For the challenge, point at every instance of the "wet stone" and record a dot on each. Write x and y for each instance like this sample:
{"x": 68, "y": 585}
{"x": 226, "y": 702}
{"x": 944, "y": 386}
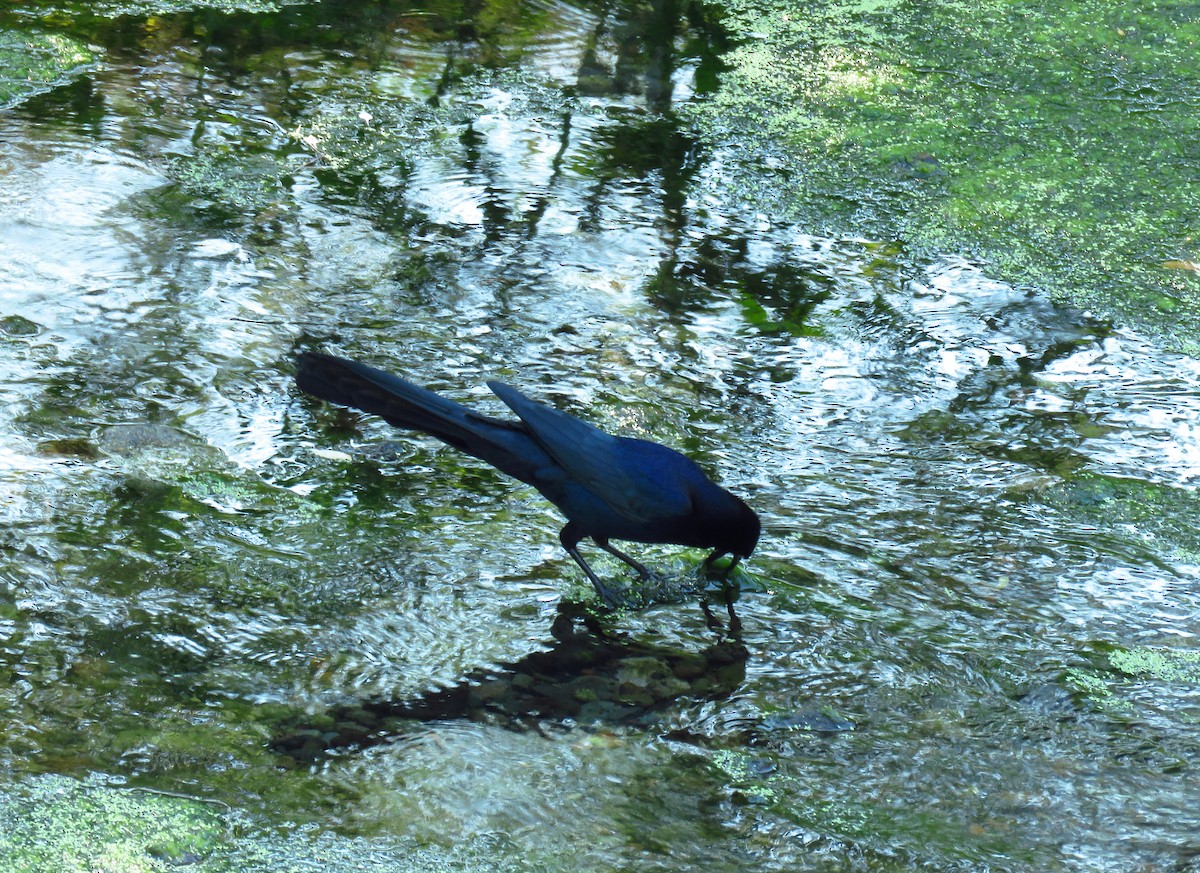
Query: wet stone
{"x": 819, "y": 721}
{"x": 690, "y": 666}
{"x": 124, "y": 439}
{"x": 16, "y": 325}
{"x": 83, "y": 449}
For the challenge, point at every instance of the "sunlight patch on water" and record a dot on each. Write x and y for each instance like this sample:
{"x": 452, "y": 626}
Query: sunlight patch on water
{"x": 1165, "y": 605}
{"x": 561, "y": 43}
{"x": 1147, "y": 403}
{"x": 69, "y": 256}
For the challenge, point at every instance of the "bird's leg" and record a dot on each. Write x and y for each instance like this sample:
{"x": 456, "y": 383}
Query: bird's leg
{"x": 569, "y": 538}
{"x": 735, "y": 623}
{"x": 603, "y": 590}
{"x": 617, "y": 553}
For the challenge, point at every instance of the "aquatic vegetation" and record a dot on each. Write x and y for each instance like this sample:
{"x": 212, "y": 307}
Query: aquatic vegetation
{"x": 54, "y": 822}
{"x": 1050, "y": 142}
{"x": 1166, "y": 665}
{"x": 32, "y": 61}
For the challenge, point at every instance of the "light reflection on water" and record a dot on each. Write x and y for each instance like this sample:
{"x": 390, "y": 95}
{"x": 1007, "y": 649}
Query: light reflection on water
{"x": 969, "y": 493}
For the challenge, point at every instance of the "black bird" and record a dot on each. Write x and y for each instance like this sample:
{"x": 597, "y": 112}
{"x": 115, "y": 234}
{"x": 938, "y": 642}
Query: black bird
{"x": 608, "y": 487}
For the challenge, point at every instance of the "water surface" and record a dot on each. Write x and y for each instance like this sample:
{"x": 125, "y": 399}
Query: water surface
{"x": 975, "y": 647}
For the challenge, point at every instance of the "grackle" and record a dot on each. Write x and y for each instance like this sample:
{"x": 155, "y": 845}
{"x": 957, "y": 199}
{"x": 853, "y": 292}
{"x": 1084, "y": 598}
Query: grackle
{"x": 608, "y": 487}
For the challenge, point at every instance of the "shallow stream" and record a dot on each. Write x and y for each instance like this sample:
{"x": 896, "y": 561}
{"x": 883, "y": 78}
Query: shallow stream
{"x": 972, "y": 639}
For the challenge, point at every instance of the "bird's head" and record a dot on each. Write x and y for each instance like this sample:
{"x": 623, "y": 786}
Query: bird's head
{"x": 743, "y": 531}
{"x": 728, "y": 524}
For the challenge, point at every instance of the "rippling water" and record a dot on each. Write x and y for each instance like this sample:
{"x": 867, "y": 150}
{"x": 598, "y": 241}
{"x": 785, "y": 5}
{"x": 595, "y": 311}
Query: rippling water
{"x": 976, "y": 647}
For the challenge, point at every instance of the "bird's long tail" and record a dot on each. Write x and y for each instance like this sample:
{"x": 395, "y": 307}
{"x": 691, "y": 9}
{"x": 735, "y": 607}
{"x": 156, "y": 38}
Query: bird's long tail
{"x": 395, "y": 400}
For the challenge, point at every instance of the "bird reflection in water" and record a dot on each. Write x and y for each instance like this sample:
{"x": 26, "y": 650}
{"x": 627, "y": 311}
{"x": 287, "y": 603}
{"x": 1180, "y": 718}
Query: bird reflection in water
{"x": 588, "y": 678}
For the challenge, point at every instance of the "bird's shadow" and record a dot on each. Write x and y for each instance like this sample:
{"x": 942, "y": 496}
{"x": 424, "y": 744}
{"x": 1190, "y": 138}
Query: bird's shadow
{"x": 589, "y": 676}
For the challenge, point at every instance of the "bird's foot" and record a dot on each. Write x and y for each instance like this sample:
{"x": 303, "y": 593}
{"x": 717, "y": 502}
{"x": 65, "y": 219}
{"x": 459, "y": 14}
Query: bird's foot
{"x": 632, "y": 596}
{"x": 608, "y": 596}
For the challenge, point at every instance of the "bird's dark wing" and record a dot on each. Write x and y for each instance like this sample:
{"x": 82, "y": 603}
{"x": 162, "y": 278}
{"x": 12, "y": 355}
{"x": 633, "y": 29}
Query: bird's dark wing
{"x": 636, "y": 478}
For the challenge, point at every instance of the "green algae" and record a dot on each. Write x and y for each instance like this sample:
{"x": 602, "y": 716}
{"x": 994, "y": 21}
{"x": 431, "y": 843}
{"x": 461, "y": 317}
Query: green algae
{"x": 1109, "y": 687}
{"x": 1166, "y": 665}
{"x": 1056, "y": 143}
{"x": 227, "y": 184}
{"x": 52, "y": 822}
{"x": 1087, "y": 685}
{"x": 61, "y": 824}
{"x": 31, "y": 62}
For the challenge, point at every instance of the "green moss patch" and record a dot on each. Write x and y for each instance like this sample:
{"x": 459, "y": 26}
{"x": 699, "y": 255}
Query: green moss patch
{"x": 32, "y": 62}
{"x": 1162, "y": 517}
{"x": 56, "y": 823}
{"x": 1166, "y": 665}
{"x": 1054, "y": 141}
